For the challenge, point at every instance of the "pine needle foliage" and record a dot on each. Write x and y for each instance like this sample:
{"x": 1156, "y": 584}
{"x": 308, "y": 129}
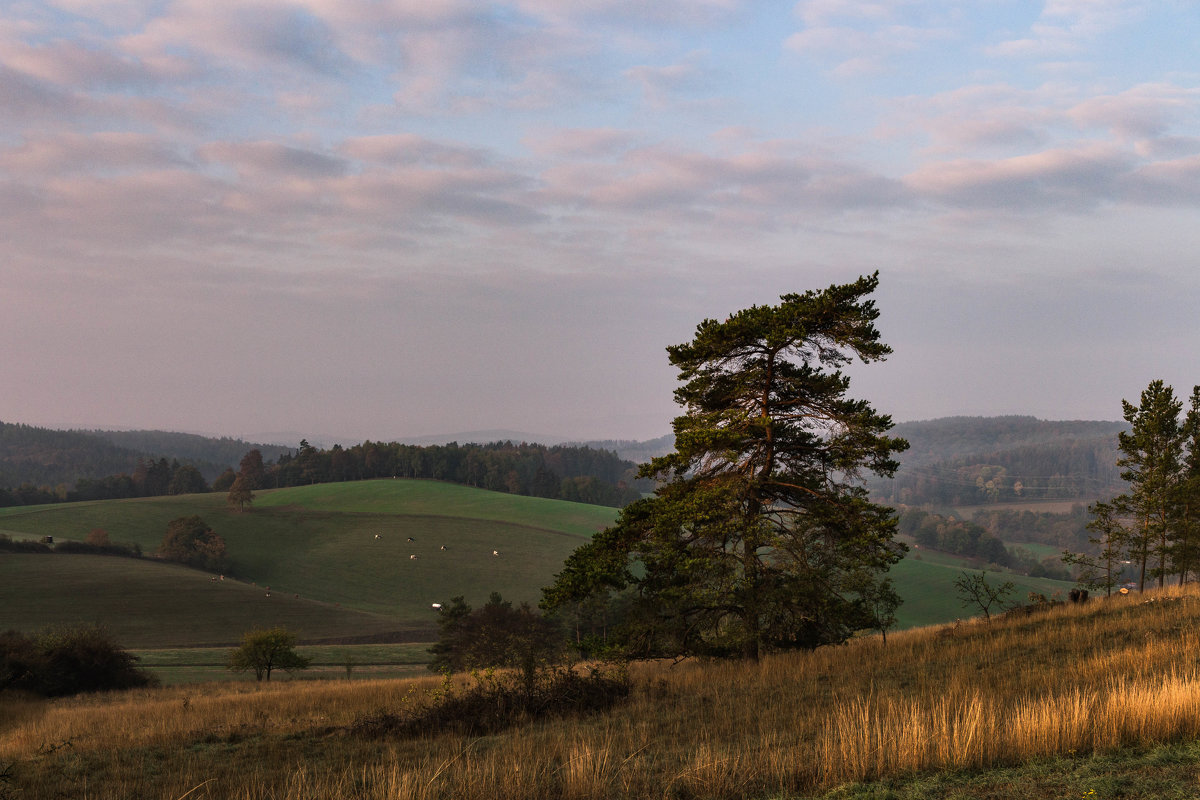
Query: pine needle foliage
{"x": 760, "y": 536}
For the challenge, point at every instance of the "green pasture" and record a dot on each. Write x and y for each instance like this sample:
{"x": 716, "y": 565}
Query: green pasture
{"x": 145, "y": 603}
{"x": 434, "y": 498}
{"x": 338, "y": 563}
{"x": 347, "y": 543}
{"x": 927, "y": 586}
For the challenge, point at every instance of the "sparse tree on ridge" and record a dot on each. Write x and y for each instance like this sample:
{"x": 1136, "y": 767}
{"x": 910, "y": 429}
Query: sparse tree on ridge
{"x": 1103, "y": 569}
{"x": 975, "y": 591}
{"x": 760, "y": 533}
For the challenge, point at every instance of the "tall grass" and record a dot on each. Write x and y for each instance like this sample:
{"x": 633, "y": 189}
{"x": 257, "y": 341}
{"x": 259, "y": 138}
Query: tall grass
{"x": 1079, "y": 679}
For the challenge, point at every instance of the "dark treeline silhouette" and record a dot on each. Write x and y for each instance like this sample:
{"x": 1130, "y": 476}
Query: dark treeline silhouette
{"x": 562, "y": 472}
{"x": 576, "y": 473}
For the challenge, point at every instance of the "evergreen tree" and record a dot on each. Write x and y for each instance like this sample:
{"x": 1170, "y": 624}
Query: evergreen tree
{"x": 1150, "y": 462}
{"x": 1186, "y": 534}
{"x": 760, "y": 535}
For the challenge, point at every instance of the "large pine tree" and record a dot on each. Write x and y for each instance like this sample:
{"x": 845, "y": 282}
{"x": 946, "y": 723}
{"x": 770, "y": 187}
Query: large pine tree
{"x": 760, "y": 535}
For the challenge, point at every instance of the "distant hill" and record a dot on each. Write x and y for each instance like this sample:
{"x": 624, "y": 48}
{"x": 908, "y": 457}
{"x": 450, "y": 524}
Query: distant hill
{"x": 189, "y": 447}
{"x": 639, "y": 452}
{"x": 44, "y": 457}
{"x": 41, "y": 456}
{"x": 973, "y": 460}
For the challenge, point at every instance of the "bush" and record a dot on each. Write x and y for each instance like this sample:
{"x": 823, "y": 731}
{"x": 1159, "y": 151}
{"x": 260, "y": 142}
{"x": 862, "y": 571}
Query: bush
{"x": 67, "y": 660}
{"x": 495, "y": 702}
{"x": 496, "y": 635}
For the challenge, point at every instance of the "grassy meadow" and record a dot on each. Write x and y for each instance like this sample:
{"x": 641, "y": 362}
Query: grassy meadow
{"x": 320, "y": 541}
{"x": 1087, "y": 701}
{"x": 329, "y": 576}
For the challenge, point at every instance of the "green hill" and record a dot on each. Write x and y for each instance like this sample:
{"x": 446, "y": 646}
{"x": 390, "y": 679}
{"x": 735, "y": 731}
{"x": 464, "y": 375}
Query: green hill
{"x": 147, "y": 603}
{"x": 345, "y": 544}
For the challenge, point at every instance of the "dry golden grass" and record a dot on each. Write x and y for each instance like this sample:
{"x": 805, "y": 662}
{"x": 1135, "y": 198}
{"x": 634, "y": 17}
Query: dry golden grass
{"x": 1097, "y": 677}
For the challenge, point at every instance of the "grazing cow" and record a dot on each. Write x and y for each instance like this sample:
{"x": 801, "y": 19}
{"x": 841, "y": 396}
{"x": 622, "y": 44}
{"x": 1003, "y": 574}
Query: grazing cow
{"x": 443, "y": 547}
{"x": 377, "y": 536}
{"x": 495, "y": 552}
{"x": 411, "y": 539}
{"x": 413, "y": 557}
{"x": 437, "y": 606}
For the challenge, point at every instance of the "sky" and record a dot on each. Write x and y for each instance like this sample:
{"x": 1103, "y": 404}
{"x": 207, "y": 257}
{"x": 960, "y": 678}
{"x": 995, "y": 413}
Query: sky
{"x": 380, "y": 219}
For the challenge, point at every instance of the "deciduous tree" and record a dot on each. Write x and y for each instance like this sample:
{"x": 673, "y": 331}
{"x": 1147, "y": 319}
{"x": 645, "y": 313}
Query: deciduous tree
{"x": 266, "y": 650}
{"x": 760, "y": 533}
{"x": 974, "y": 590}
{"x": 240, "y": 494}
{"x": 189, "y": 540}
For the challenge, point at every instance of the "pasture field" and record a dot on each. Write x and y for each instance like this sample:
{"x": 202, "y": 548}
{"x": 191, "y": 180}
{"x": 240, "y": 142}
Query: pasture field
{"x": 347, "y": 543}
{"x": 1036, "y": 506}
{"x": 1098, "y": 700}
{"x": 319, "y": 542}
{"x": 927, "y": 586}
{"x": 149, "y": 604}
{"x": 434, "y": 498}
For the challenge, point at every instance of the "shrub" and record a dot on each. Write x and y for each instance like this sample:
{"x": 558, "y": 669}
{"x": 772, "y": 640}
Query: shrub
{"x": 67, "y": 660}
{"x": 496, "y": 635}
{"x": 496, "y": 701}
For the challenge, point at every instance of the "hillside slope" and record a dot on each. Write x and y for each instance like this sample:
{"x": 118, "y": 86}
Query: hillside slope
{"x": 1100, "y": 700}
{"x": 348, "y": 543}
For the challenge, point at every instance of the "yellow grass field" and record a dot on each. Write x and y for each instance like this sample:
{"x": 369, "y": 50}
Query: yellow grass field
{"x": 1072, "y": 680}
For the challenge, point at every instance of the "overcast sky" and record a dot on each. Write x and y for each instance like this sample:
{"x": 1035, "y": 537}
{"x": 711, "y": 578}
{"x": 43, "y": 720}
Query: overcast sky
{"x": 391, "y": 218}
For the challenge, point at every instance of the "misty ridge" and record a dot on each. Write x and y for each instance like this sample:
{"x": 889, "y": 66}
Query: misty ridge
{"x": 950, "y": 461}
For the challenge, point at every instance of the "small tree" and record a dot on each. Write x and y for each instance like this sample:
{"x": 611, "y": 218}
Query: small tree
{"x": 190, "y": 541}
{"x": 974, "y": 590}
{"x": 98, "y": 537}
{"x": 1101, "y": 570}
{"x": 265, "y": 650}
{"x": 497, "y": 635}
{"x": 240, "y": 494}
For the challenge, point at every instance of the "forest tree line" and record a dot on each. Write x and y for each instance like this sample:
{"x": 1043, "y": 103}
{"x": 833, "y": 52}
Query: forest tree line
{"x": 579, "y": 474}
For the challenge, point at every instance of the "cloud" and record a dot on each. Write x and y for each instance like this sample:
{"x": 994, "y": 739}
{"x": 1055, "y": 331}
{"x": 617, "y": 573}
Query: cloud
{"x": 862, "y": 38}
{"x": 78, "y": 65}
{"x": 256, "y": 160}
{"x": 95, "y": 153}
{"x": 1072, "y": 178}
{"x": 585, "y": 143}
{"x": 412, "y": 149}
{"x": 262, "y": 35}
{"x": 1145, "y": 111}
{"x": 1065, "y": 27}
{"x": 663, "y": 83}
